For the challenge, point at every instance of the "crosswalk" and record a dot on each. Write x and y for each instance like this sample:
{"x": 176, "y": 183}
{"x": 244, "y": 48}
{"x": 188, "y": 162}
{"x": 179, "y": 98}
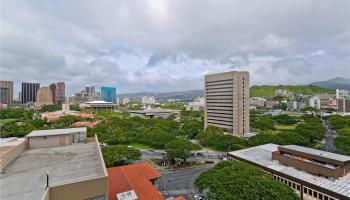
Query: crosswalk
{"x": 179, "y": 192}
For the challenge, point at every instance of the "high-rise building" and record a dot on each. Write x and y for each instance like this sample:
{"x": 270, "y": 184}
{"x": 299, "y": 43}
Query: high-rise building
{"x": 108, "y": 94}
{"x": 148, "y": 100}
{"x": 6, "y": 92}
{"x": 344, "y": 105}
{"x": 60, "y": 92}
{"x": 52, "y": 86}
{"x": 90, "y": 90}
{"x": 29, "y": 91}
{"x": 44, "y": 96}
{"x": 227, "y": 101}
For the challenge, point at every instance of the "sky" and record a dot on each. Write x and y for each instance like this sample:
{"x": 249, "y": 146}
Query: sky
{"x": 169, "y": 45}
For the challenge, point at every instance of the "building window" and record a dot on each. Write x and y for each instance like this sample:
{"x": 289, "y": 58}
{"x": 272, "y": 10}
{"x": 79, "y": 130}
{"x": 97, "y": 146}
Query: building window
{"x": 325, "y": 197}
{"x": 315, "y": 194}
{"x": 298, "y": 187}
{"x": 310, "y": 192}
{"x": 305, "y": 190}
{"x": 320, "y": 196}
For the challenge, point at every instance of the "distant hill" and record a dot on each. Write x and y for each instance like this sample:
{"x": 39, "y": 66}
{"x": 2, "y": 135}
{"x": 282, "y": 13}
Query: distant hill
{"x": 178, "y": 96}
{"x": 255, "y": 91}
{"x": 334, "y": 83}
{"x": 269, "y": 90}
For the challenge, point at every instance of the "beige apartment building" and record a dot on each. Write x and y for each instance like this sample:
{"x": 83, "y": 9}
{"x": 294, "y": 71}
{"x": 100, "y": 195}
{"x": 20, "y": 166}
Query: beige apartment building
{"x": 227, "y": 101}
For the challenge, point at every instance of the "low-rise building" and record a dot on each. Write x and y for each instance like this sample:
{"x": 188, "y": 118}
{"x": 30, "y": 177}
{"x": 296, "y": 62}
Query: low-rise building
{"x": 257, "y": 102}
{"x": 94, "y": 106}
{"x": 55, "y": 137}
{"x": 311, "y": 173}
{"x": 67, "y": 172}
{"x": 133, "y": 182}
{"x": 156, "y": 113}
{"x": 294, "y": 105}
{"x": 271, "y": 104}
{"x": 198, "y": 104}
{"x": 10, "y": 149}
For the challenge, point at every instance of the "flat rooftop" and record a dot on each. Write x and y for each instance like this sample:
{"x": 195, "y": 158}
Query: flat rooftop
{"x": 25, "y": 178}
{"x": 51, "y": 132}
{"x": 262, "y": 156}
{"x": 316, "y": 152}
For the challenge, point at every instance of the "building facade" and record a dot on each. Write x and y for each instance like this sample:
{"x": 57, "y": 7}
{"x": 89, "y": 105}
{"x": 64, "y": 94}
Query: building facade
{"x": 6, "y": 92}
{"x": 52, "y": 86}
{"x": 227, "y": 101}
{"x": 44, "y": 96}
{"x": 315, "y": 102}
{"x": 344, "y": 105}
{"x": 29, "y": 91}
{"x": 108, "y": 94}
{"x": 60, "y": 92}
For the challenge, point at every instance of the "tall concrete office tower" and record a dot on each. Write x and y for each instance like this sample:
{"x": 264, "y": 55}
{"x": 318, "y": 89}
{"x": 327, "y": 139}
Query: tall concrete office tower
{"x": 60, "y": 92}
{"x": 52, "y": 86}
{"x": 6, "y": 92}
{"x": 29, "y": 91}
{"x": 227, "y": 101}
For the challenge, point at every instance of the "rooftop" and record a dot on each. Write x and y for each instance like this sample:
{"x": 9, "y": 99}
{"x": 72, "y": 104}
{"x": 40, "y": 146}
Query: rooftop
{"x": 51, "y": 132}
{"x": 25, "y": 178}
{"x": 262, "y": 156}
{"x": 136, "y": 177}
{"x": 316, "y": 152}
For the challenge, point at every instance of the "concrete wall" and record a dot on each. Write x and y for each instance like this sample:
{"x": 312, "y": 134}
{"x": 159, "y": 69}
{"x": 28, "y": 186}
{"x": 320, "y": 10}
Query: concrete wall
{"x": 80, "y": 190}
{"x": 12, "y": 153}
{"x": 49, "y": 141}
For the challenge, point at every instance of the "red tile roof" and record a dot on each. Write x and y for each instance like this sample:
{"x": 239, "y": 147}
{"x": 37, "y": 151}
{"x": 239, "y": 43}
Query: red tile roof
{"x": 135, "y": 177}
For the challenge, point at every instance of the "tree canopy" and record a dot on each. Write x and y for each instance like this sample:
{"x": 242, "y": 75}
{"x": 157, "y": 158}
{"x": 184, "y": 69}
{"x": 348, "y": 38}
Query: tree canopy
{"x": 116, "y": 155}
{"x": 241, "y": 181}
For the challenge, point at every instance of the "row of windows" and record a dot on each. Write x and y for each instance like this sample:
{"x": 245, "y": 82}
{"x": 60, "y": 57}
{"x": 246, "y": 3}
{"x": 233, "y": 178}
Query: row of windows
{"x": 291, "y": 184}
{"x": 307, "y": 191}
{"x": 316, "y": 195}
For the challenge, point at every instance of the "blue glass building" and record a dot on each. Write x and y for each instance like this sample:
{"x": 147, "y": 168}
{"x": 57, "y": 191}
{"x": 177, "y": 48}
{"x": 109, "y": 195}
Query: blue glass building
{"x": 108, "y": 94}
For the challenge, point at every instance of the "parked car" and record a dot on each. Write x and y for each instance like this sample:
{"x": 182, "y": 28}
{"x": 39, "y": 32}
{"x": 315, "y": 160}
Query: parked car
{"x": 199, "y": 197}
{"x": 150, "y": 151}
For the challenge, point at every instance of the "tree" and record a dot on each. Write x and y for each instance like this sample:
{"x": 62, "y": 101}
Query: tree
{"x": 192, "y": 128}
{"x": 241, "y": 181}
{"x": 117, "y": 155}
{"x": 214, "y": 137}
{"x": 179, "y": 149}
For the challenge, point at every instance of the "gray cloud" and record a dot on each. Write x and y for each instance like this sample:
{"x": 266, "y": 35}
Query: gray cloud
{"x": 162, "y": 45}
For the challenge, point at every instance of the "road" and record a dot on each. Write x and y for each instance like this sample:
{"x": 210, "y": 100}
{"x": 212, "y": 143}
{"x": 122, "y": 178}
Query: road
{"x": 206, "y": 155}
{"x": 180, "y": 182}
{"x": 330, "y": 135}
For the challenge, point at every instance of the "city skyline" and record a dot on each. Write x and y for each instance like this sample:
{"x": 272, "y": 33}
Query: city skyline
{"x": 157, "y": 45}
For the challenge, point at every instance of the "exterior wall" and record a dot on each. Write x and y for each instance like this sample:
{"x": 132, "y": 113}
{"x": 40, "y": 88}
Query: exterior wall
{"x": 227, "y": 102}
{"x": 29, "y": 91}
{"x": 49, "y": 141}
{"x": 6, "y": 92}
{"x": 80, "y": 190}
{"x": 309, "y": 167}
{"x": 44, "y": 96}
{"x": 11, "y": 155}
{"x": 60, "y": 93}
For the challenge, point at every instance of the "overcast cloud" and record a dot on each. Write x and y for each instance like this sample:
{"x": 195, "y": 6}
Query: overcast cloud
{"x": 161, "y": 45}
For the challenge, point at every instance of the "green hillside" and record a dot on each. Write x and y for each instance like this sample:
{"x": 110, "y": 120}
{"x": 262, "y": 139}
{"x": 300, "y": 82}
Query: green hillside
{"x": 269, "y": 90}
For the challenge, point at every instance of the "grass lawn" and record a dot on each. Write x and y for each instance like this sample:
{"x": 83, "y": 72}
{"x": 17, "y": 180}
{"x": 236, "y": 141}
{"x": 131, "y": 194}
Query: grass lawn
{"x": 285, "y": 127}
